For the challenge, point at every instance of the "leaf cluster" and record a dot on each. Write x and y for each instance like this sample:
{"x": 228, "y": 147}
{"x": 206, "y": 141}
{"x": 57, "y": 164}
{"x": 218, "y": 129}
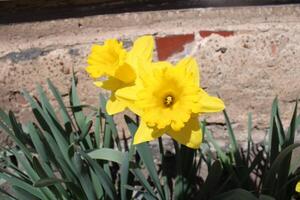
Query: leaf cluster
{"x": 68, "y": 154}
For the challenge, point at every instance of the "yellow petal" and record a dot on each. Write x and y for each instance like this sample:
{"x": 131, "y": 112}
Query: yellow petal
{"x": 134, "y": 108}
{"x": 298, "y": 187}
{"x": 189, "y": 65}
{"x": 142, "y": 49}
{"x": 145, "y": 133}
{"x": 98, "y": 83}
{"x": 94, "y": 71}
{"x": 125, "y": 73}
{"x": 112, "y": 84}
{"x": 114, "y": 106}
{"x": 190, "y": 135}
{"x": 210, "y": 104}
{"x": 106, "y": 59}
{"x": 128, "y": 93}
{"x": 128, "y": 96}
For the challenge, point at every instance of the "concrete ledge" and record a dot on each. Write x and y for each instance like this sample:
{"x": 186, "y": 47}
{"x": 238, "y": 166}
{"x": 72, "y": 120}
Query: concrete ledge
{"x": 27, "y": 10}
{"x": 247, "y": 54}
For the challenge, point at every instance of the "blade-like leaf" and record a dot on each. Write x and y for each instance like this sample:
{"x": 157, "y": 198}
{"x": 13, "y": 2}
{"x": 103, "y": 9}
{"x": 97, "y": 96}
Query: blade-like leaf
{"x": 108, "y": 154}
{"x": 104, "y": 179}
{"x": 268, "y": 185}
{"x": 63, "y": 110}
{"x": 125, "y": 171}
{"x": 146, "y": 156}
{"x": 47, "y": 182}
{"x": 249, "y": 139}
{"x": 236, "y": 194}
{"x": 18, "y": 134}
{"x": 233, "y": 143}
{"x": 109, "y": 119}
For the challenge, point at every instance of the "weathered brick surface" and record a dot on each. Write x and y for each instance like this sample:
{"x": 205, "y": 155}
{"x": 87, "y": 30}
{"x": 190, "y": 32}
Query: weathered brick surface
{"x": 171, "y": 44}
{"x": 256, "y": 62}
{"x": 205, "y": 34}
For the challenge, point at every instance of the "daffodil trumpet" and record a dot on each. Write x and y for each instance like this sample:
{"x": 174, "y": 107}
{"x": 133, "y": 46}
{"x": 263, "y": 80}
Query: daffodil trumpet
{"x": 112, "y": 62}
{"x": 170, "y": 101}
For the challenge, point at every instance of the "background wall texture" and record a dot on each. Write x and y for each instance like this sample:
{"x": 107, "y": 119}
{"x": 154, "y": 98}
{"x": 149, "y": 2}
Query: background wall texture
{"x": 248, "y": 55}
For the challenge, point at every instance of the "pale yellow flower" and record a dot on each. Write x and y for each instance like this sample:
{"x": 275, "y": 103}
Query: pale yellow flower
{"x": 297, "y": 189}
{"x": 170, "y": 100}
{"x": 118, "y": 66}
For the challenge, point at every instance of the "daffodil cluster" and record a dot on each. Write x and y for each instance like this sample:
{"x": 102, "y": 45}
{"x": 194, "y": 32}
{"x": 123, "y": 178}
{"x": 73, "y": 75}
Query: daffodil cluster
{"x": 168, "y": 98}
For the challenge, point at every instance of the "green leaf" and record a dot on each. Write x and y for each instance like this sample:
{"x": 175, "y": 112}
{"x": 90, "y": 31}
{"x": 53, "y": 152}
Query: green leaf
{"x": 77, "y": 110}
{"x": 38, "y": 144}
{"x": 107, "y": 139}
{"x": 273, "y": 138}
{"x": 148, "y": 196}
{"x": 268, "y": 184}
{"x": 274, "y": 142}
{"x": 125, "y": 171}
{"x": 4, "y": 195}
{"x": 108, "y": 154}
{"x": 292, "y": 128}
{"x": 45, "y": 172}
{"x": 266, "y": 197}
{"x": 19, "y": 135}
{"x": 83, "y": 176}
{"x": 147, "y": 157}
{"x": 220, "y": 152}
{"x": 141, "y": 177}
{"x": 47, "y": 182}
{"x": 32, "y": 173}
{"x": 284, "y": 171}
{"x": 281, "y": 134}
{"x": 4, "y": 118}
{"x": 59, "y": 158}
{"x": 24, "y": 194}
{"x": 166, "y": 187}
{"x": 21, "y": 184}
{"x": 236, "y": 194}
{"x": 295, "y": 163}
{"x": 47, "y": 107}
{"x": 98, "y": 128}
{"x": 212, "y": 181}
{"x": 58, "y": 135}
{"x": 104, "y": 179}
{"x": 97, "y": 185}
{"x": 233, "y": 143}
{"x": 109, "y": 119}
{"x": 249, "y": 139}
{"x": 76, "y": 191}
{"x": 63, "y": 110}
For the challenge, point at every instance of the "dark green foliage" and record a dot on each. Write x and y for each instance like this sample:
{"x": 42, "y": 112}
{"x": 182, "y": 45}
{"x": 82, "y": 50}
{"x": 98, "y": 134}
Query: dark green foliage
{"x": 66, "y": 154}
{"x": 265, "y": 169}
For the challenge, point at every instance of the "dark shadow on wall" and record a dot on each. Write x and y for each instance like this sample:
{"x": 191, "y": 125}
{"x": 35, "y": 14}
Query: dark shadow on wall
{"x": 17, "y": 11}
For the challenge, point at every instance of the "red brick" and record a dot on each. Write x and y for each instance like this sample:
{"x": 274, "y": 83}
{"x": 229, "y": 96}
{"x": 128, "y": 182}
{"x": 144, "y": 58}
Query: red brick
{"x": 205, "y": 34}
{"x": 168, "y": 45}
{"x": 274, "y": 49}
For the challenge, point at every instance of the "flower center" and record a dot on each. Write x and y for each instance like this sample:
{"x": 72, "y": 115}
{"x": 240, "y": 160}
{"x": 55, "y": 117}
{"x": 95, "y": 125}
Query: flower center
{"x": 169, "y": 100}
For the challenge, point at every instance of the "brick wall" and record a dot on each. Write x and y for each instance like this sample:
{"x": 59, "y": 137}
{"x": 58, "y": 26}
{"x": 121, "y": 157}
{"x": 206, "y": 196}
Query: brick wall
{"x": 248, "y": 55}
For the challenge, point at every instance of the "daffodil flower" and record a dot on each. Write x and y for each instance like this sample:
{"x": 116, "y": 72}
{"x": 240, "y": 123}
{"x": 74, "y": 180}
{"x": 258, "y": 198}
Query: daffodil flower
{"x": 118, "y": 66}
{"x": 170, "y": 100}
{"x": 297, "y": 188}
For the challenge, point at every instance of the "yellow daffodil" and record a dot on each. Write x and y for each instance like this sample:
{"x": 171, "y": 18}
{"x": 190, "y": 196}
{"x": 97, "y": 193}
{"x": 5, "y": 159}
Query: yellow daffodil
{"x": 298, "y": 187}
{"x": 113, "y": 62}
{"x": 170, "y": 100}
